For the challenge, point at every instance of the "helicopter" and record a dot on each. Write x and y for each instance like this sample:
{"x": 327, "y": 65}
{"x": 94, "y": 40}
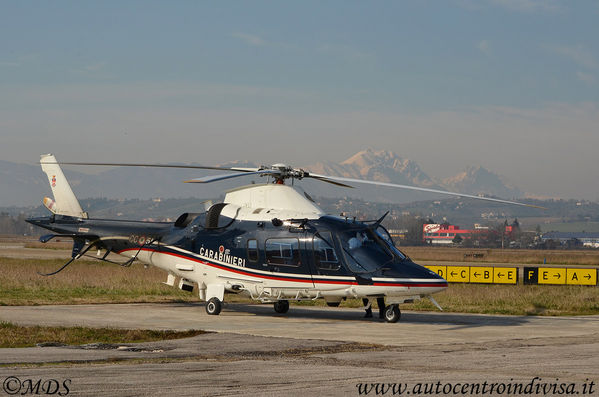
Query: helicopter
{"x": 269, "y": 241}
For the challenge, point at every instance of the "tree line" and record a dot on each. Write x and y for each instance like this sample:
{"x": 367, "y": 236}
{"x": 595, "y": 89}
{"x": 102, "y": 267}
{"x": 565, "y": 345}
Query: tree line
{"x": 16, "y": 225}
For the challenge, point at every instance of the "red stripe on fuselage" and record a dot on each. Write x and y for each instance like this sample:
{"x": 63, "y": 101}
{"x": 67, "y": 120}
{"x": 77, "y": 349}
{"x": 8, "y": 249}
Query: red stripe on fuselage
{"x": 291, "y": 279}
{"x": 245, "y": 273}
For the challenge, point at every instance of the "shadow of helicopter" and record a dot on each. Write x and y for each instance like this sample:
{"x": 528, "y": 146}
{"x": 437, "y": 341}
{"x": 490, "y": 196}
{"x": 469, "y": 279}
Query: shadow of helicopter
{"x": 457, "y": 320}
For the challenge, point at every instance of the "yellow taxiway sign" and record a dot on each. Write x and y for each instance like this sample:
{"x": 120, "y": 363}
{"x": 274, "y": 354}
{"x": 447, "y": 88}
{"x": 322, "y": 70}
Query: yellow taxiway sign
{"x": 477, "y": 274}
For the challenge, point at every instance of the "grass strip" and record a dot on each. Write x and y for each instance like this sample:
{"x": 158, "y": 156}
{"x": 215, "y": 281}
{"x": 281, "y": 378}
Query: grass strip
{"x": 86, "y": 282}
{"x": 83, "y": 282}
{"x": 12, "y": 335}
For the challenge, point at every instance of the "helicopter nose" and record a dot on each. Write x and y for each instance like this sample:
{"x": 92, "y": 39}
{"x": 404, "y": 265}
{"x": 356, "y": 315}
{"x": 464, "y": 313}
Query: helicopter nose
{"x": 434, "y": 276}
{"x": 409, "y": 269}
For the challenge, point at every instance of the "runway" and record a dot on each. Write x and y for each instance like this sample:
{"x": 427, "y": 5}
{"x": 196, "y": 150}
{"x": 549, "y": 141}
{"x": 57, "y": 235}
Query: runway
{"x": 305, "y": 322}
{"x": 309, "y": 351}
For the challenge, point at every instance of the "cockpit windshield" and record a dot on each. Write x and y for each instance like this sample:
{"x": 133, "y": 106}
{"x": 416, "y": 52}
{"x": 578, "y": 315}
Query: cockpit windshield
{"x": 364, "y": 251}
{"x": 384, "y": 234}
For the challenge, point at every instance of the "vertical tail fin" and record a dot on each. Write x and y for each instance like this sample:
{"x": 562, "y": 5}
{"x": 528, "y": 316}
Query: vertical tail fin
{"x": 65, "y": 202}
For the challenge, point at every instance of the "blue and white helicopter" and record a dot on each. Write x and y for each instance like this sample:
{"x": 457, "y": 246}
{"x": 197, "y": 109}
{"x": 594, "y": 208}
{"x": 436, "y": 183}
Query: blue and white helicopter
{"x": 270, "y": 242}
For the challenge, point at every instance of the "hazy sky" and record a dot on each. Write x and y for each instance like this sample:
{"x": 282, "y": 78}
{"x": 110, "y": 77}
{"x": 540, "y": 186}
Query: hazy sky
{"x": 512, "y": 85}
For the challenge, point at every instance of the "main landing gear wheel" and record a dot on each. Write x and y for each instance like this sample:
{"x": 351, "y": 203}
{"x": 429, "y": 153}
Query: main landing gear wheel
{"x": 282, "y": 306}
{"x": 214, "y": 306}
{"x": 392, "y": 313}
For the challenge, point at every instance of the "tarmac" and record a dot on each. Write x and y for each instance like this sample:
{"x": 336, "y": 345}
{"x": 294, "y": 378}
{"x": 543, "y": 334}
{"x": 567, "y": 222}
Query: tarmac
{"x": 310, "y": 351}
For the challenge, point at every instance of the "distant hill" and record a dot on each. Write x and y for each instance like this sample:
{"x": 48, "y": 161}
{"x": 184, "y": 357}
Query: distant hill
{"x": 479, "y": 180}
{"x": 18, "y": 182}
{"x": 386, "y": 166}
{"x": 383, "y": 166}
{"x": 24, "y": 184}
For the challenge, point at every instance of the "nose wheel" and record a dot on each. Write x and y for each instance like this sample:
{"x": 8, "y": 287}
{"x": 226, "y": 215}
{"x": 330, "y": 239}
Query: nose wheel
{"x": 392, "y": 313}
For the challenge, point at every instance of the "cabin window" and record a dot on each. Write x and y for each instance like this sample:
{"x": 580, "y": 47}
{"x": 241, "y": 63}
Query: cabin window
{"x": 252, "y": 250}
{"x": 324, "y": 252}
{"x": 283, "y": 251}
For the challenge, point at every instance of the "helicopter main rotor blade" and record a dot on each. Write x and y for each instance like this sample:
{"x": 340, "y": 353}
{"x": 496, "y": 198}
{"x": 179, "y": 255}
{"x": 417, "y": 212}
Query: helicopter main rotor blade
{"x": 291, "y": 173}
{"x": 208, "y": 179}
{"x": 320, "y": 178}
{"x": 198, "y": 167}
{"x": 423, "y": 189}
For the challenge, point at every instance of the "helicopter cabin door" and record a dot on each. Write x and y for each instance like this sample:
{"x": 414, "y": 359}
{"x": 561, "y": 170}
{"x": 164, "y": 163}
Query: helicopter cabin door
{"x": 289, "y": 258}
{"x": 325, "y": 261}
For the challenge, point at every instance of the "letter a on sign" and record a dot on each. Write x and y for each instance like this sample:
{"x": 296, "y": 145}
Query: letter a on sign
{"x": 581, "y": 276}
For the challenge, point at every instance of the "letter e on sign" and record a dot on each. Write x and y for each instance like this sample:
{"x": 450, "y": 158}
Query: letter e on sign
{"x": 505, "y": 275}
{"x": 552, "y": 275}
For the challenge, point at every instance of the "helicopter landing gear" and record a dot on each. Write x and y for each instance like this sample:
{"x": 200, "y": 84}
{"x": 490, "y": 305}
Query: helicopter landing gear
{"x": 281, "y": 306}
{"x": 392, "y": 313}
{"x": 214, "y": 306}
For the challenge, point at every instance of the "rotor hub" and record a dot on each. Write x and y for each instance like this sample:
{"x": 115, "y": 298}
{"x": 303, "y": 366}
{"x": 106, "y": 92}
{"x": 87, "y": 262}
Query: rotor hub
{"x": 283, "y": 171}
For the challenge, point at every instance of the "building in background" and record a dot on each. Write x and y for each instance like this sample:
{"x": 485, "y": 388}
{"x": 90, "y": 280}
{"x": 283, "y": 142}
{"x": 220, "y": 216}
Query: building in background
{"x": 445, "y": 233}
{"x": 398, "y": 234}
{"x": 573, "y": 239}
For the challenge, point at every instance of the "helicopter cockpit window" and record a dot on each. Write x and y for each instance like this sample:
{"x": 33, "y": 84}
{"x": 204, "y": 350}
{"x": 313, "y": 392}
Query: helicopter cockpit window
{"x": 324, "y": 253}
{"x": 384, "y": 234}
{"x": 283, "y": 251}
{"x": 363, "y": 251}
{"x": 252, "y": 250}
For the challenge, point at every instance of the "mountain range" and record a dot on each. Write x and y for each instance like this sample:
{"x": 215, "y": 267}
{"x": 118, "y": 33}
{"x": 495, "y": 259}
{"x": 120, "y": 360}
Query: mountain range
{"x": 23, "y": 184}
{"x": 386, "y": 166}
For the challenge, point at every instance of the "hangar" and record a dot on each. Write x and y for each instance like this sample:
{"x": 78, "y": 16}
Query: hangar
{"x": 585, "y": 239}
